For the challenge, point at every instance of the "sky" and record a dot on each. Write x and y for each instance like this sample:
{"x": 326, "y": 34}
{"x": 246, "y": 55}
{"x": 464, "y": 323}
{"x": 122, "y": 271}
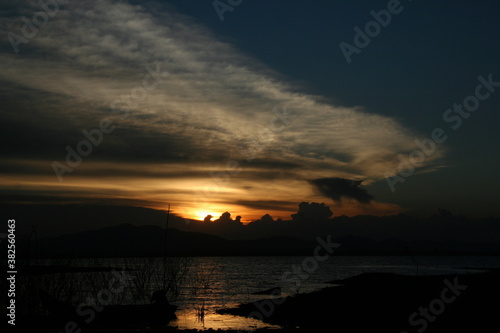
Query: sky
{"x": 252, "y": 106}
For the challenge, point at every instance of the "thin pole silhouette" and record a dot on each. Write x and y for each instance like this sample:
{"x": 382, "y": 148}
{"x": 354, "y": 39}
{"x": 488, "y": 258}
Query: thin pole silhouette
{"x": 165, "y": 249}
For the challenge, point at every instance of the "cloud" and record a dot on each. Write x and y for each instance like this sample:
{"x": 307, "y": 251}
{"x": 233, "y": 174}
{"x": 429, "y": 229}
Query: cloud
{"x": 338, "y": 188}
{"x": 214, "y": 104}
{"x": 100, "y": 52}
{"x": 269, "y": 205}
{"x": 312, "y": 212}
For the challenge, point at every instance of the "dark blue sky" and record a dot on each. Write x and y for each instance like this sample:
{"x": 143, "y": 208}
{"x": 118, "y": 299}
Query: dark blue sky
{"x": 424, "y": 61}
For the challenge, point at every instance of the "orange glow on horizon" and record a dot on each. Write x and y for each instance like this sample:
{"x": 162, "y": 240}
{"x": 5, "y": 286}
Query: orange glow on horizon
{"x": 201, "y": 214}
{"x": 247, "y": 215}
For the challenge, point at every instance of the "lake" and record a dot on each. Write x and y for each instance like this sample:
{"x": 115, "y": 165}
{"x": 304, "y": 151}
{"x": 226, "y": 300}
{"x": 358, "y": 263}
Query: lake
{"x": 212, "y": 283}
{"x": 229, "y": 281}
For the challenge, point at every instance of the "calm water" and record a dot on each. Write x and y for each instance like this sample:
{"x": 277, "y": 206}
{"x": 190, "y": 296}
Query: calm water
{"x": 230, "y": 281}
{"x": 213, "y": 283}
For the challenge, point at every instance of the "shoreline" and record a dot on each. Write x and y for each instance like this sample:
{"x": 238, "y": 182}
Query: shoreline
{"x": 390, "y": 303}
{"x": 385, "y": 302}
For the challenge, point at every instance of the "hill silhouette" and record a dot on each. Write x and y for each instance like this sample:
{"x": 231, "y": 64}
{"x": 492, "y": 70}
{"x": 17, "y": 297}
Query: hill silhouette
{"x": 127, "y": 240}
{"x": 311, "y": 220}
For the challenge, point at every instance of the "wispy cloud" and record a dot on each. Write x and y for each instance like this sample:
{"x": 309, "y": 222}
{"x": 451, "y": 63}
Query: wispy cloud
{"x": 208, "y": 110}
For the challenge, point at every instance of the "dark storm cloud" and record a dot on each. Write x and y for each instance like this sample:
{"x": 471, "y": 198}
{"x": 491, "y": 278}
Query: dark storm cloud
{"x": 268, "y": 204}
{"x": 75, "y": 196}
{"x": 338, "y": 188}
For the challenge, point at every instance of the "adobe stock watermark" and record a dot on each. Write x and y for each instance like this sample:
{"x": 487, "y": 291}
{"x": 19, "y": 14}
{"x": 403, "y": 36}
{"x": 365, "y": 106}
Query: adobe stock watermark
{"x": 30, "y": 27}
{"x": 436, "y": 307}
{"x": 298, "y": 274}
{"x": 95, "y": 136}
{"x": 88, "y": 310}
{"x": 221, "y": 178}
{"x": 372, "y": 29}
{"x": 221, "y": 7}
{"x": 453, "y": 116}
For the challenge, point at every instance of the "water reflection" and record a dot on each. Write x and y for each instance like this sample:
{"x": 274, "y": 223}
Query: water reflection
{"x": 208, "y": 284}
{"x": 223, "y": 282}
{"x": 188, "y": 319}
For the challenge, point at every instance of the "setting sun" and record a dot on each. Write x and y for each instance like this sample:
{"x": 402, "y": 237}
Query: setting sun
{"x": 201, "y": 214}
{"x": 165, "y": 167}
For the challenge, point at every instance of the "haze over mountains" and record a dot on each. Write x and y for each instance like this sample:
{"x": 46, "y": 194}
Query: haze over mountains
{"x": 146, "y": 241}
{"x": 132, "y": 231}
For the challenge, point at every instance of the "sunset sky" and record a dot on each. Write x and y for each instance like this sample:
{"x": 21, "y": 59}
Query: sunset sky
{"x": 147, "y": 103}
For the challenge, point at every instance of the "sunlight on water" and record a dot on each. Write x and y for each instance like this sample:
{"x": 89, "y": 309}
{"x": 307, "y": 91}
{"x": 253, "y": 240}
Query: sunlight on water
{"x": 188, "y": 319}
{"x": 215, "y": 283}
